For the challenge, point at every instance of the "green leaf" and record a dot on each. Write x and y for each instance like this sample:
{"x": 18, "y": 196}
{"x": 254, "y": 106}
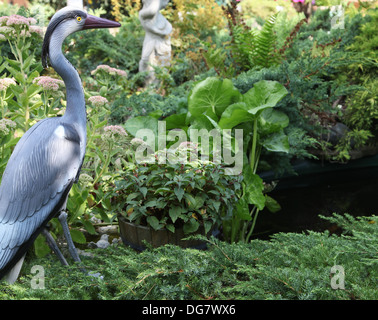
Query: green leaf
{"x": 77, "y": 236}
{"x": 40, "y": 247}
{"x": 151, "y": 204}
{"x": 175, "y": 121}
{"x": 171, "y": 228}
{"x": 143, "y": 190}
{"x": 89, "y": 227}
{"x": 101, "y": 124}
{"x": 207, "y": 225}
{"x": 162, "y": 190}
{"x": 28, "y": 61}
{"x": 234, "y": 114}
{"x": 156, "y": 114}
{"x": 133, "y": 125}
{"x": 272, "y": 205}
{"x": 132, "y": 196}
{"x": 253, "y": 188}
{"x": 174, "y": 213}
{"x": 212, "y": 94}
{"x": 264, "y": 94}
{"x": 276, "y": 142}
{"x": 154, "y": 222}
{"x": 191, "y": 226}
{"x": 242, "y": 209}
{"x": 191, "y": 201}
{"x": 32, "y": 75}
{"x": 216, "y": 205}
{"x": 79, "y": 210}
{"x": 201, "y": 122}
{"x": 179, "y": 192}
{"x": 271, "y": 120}
{"x": 103, "y": 91}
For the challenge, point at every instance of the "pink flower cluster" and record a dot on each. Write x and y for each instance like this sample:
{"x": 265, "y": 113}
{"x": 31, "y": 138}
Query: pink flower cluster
{"x": 17, "y": 20}
{"x": 37, "y": 30}
{"x": 6, "y": 125}
{"x": 115, "y": 130}
{"x": 98, "y": 101}
{"x": 48, "y": 83}
{"x": 5, "y": 83}
{"x": 14, "y": 24}
{"x": 137, "y": 142}
{"x": 110, "y": 70}
{"x": 188, "y": 145}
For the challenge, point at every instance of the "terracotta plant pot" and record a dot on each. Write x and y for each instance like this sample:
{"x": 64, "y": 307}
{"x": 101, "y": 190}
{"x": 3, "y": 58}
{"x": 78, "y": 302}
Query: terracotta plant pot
{"x": 133, "y": 235}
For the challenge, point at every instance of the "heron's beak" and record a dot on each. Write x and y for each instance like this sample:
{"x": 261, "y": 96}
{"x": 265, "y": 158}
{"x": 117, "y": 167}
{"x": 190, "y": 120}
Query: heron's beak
{"x": 93, "y": 22}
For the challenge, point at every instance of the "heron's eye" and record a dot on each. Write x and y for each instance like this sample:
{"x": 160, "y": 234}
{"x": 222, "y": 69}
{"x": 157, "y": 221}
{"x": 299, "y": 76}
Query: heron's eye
{"x": 78, "y": 18}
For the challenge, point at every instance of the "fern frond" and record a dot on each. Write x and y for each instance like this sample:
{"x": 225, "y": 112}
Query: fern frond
{"x": 215, "y": 58}
{"x": 264, "y": 53}
{"x": 243, "y": 43}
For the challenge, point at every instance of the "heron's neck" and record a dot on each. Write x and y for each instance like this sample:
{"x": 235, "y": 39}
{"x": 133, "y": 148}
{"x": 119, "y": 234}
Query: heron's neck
{"x": 75, "y": 110}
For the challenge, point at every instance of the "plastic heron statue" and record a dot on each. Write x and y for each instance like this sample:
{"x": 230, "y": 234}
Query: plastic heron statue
{"x": 47, "y": 159}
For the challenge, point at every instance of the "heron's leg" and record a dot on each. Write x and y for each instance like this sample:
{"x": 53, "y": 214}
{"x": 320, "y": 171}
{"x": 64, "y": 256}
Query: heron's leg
{"x": 53, "y": 246}
{"x": 71, "y": 247}
{"x": 67, "y": 235}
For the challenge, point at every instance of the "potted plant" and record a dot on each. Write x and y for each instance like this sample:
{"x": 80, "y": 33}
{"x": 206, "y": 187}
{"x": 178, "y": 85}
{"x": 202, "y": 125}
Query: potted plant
{"x": 164, "y": 202}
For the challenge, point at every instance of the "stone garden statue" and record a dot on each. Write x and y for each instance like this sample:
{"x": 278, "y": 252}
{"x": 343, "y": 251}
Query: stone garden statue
{"x": 75, "y": 3}
{"x": 157, "y": 42}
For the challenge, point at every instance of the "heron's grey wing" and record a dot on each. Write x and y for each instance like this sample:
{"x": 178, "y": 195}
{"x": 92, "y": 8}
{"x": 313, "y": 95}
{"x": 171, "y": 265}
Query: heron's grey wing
{"x": 35, "y": 183}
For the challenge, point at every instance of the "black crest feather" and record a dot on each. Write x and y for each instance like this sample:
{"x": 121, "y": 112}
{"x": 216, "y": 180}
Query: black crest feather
{"x": 50, "y": 29}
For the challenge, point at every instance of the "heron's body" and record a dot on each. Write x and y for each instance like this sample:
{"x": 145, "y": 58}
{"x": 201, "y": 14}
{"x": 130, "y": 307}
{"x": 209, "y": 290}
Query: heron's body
{"x": 47, "y": 160}
{"x": 35, "y": 185}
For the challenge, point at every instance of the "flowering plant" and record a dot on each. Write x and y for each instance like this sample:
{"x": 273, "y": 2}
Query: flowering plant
{"x": 106, "y": 70}
{"x": 48, "y": 83}
{"x": 51, "y": 90}
{"x": 16, "y": 26}
{"x": 98, "y": 101}
{"x": 89, "y": 199}
{"x": 18, "y": 94}
{"x": 5, "y": 83}
{"x": 21, "y": 103}
{"x": 176, "y": 195}
{"x": 111, "y": 80}
{"x": 7, "y": 127}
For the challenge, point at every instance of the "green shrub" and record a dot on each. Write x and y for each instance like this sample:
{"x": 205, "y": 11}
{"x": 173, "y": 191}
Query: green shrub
{"x": 291, "y": 266}
{"x": 176, "y": 191}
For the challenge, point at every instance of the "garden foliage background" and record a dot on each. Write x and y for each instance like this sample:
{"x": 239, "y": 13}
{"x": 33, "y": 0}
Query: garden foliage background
{"x": 328, "y": 112}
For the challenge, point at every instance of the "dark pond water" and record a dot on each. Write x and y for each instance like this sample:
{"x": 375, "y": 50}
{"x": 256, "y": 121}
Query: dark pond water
{"x": 301, "y": 206}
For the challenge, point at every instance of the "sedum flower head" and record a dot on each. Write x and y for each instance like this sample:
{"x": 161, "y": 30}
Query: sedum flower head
{"x": 48, "y": 83}
{"x": 188, "y": 145}
{"x": 6, "y": 125}
{"x": 85, "y": 178}
{"x": 98, "y": 101}
{"x": 107, "y": 69}
{"x": 37, "y": 30}
{"x": 7, "y": 31}
{"x": 137, "y": 142}
{"x": 6, "y": 82}
{"x": 17, "y": 20}
{"x": 14, "y": 25}
{"x": 114, "y": 131}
